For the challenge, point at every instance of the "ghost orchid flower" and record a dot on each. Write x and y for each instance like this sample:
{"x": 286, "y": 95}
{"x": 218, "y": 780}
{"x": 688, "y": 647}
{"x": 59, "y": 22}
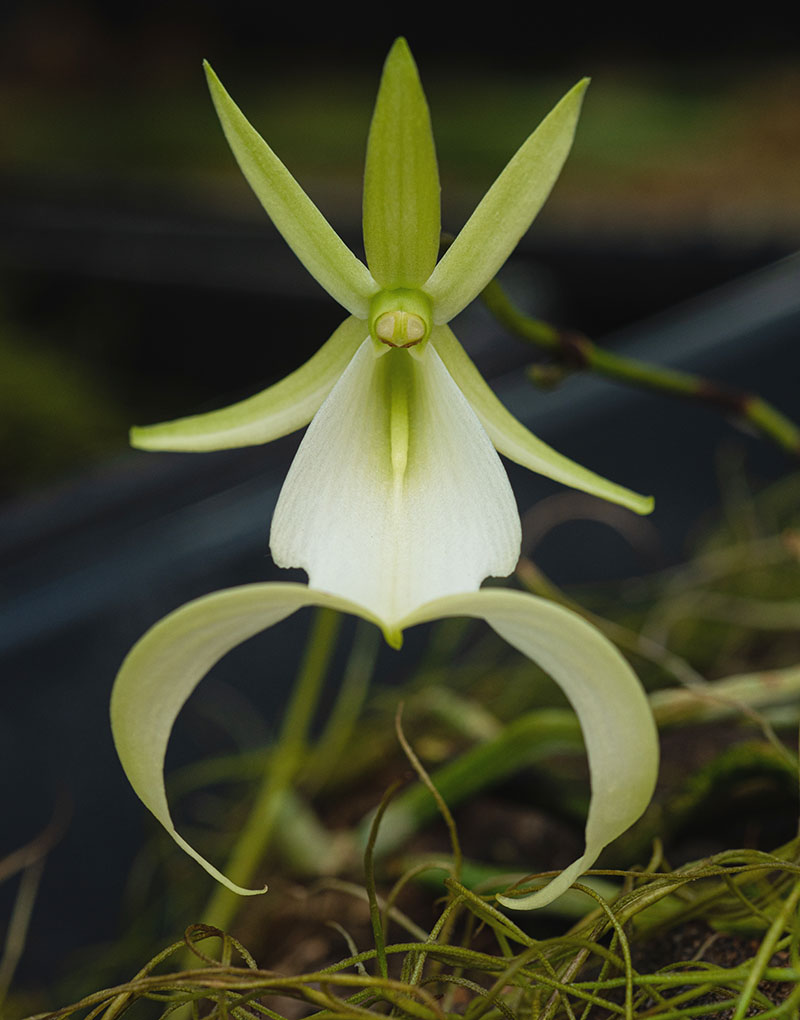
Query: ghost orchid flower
{"x": 396, "y": 495}
{"x": 396, "y": 504}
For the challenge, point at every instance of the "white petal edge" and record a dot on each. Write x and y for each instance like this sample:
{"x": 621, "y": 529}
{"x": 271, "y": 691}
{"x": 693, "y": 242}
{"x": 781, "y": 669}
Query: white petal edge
{"x": 514, "y": 441}
{"x": 506, "y": 210}
{"x": 276, "y": 411}
{"x": 304, "y": 228}
{"x": 611, "y": 705}
{"x": 167, "y": 663}
{"x": 396, "y": 495}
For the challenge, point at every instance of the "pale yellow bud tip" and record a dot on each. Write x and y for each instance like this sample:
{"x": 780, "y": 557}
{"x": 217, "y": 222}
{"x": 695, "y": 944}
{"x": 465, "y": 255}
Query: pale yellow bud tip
{"x": 384, "y": 327}
{"x": 400, "y": 329}
{"x": 415, "y": 328}
{"x": 400, "y": 318}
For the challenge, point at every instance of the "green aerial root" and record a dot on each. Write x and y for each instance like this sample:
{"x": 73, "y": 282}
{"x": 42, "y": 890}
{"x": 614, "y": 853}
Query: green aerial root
{"x": 508, "y": 973}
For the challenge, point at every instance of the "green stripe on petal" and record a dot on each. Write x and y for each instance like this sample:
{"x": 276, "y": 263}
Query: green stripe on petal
{"x": 165, "y": 666}
{"x": 612, "y": 708}
{"x": 401, "y": 179}
{"x": 506, "y": 211}
{"x": 305, "y": 229}
{"x": 514, "y": 441}
{"x": 280, "y": 409}
{"x": 396, "y": 495}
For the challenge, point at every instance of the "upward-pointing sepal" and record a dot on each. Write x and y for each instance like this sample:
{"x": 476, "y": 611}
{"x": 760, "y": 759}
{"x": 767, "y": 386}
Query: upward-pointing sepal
{"x": 304, "y": 228}
{"x": 401, "y": 179}
{"x": 506, "y": 210}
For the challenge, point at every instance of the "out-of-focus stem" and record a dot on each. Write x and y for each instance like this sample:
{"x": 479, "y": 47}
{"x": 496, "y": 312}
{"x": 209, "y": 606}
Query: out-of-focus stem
{"x": 285, "y": 762}
{"x": 573, "y": 351}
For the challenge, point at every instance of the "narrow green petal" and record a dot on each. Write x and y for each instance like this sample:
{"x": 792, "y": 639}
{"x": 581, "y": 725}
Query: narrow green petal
{"x": 401, "y": 179}
{"x": 506, "y": 211}
{"x": 305, "y": 229}
{"x": 396, "y": 495}
{"x": 514, "y": 441}
{"x": 618, "y": 728}
{"x": 165, "y": 666}
{"x": 280, "y": 409}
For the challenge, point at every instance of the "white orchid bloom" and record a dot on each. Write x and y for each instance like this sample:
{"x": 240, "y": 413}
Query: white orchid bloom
{"x": 397, "y": 504}
{"x": 397, "y": 495}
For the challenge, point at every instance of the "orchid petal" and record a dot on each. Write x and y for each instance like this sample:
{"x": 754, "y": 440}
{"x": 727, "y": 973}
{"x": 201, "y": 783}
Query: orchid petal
{"x": 514, "y": 441}
{"x": 401, "y": 179}
{"x": 618, "y": 728}
{"x": 305, "y": 229}
{"x": 506, "y": 211}
{"x": 165, "y": 666}
{"x": 276, "y": 411}
{"x": 396, "y": 495}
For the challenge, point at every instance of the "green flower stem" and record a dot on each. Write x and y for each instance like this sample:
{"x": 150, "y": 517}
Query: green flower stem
{"x": 340, "y": 726}
{"x": 574, "y": 351}
{"x": 285, "y": 762}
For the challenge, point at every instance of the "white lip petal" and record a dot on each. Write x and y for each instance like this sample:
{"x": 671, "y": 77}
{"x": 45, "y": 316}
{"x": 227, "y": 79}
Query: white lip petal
{"x": 167, "y": 663}
{"x": 618, "y": 728}
{"x": 396, "y": 495}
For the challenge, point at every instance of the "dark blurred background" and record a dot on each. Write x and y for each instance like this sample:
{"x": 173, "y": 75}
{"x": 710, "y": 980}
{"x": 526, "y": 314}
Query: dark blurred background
{"x": 140, "y": 280}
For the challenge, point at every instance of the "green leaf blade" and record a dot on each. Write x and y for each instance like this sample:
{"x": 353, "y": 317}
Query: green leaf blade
{"x": 401, "y": 179}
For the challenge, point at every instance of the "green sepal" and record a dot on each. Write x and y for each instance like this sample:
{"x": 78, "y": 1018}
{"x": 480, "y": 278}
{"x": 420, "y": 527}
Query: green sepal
{"x": 506, "y": 210}
{"x": 304, "y": 228}
{"x": 276, "y": 411}
{"x": 513, "y": 440}
{"x": 401, "y": 179}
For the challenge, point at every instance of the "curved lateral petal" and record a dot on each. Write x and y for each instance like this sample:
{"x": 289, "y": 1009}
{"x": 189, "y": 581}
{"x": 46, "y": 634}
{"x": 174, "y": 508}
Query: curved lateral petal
{"x": 618, "y": 728}
{"x": 401, "y": 179}
{"x": 506, "y": 210}
{"x": 305, "y": 229}
{"x": 165, "y": 666}
{"x": 519, "y": 444}
{"x": 396, "y": 495}
{"x": 280, "y": 409}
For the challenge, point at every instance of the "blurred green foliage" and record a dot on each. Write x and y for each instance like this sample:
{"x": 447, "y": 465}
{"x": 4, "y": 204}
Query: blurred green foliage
{"x": 55, "y": 415}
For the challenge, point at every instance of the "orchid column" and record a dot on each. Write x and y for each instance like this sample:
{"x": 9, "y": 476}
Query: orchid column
{"x": 399, "y": 511}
